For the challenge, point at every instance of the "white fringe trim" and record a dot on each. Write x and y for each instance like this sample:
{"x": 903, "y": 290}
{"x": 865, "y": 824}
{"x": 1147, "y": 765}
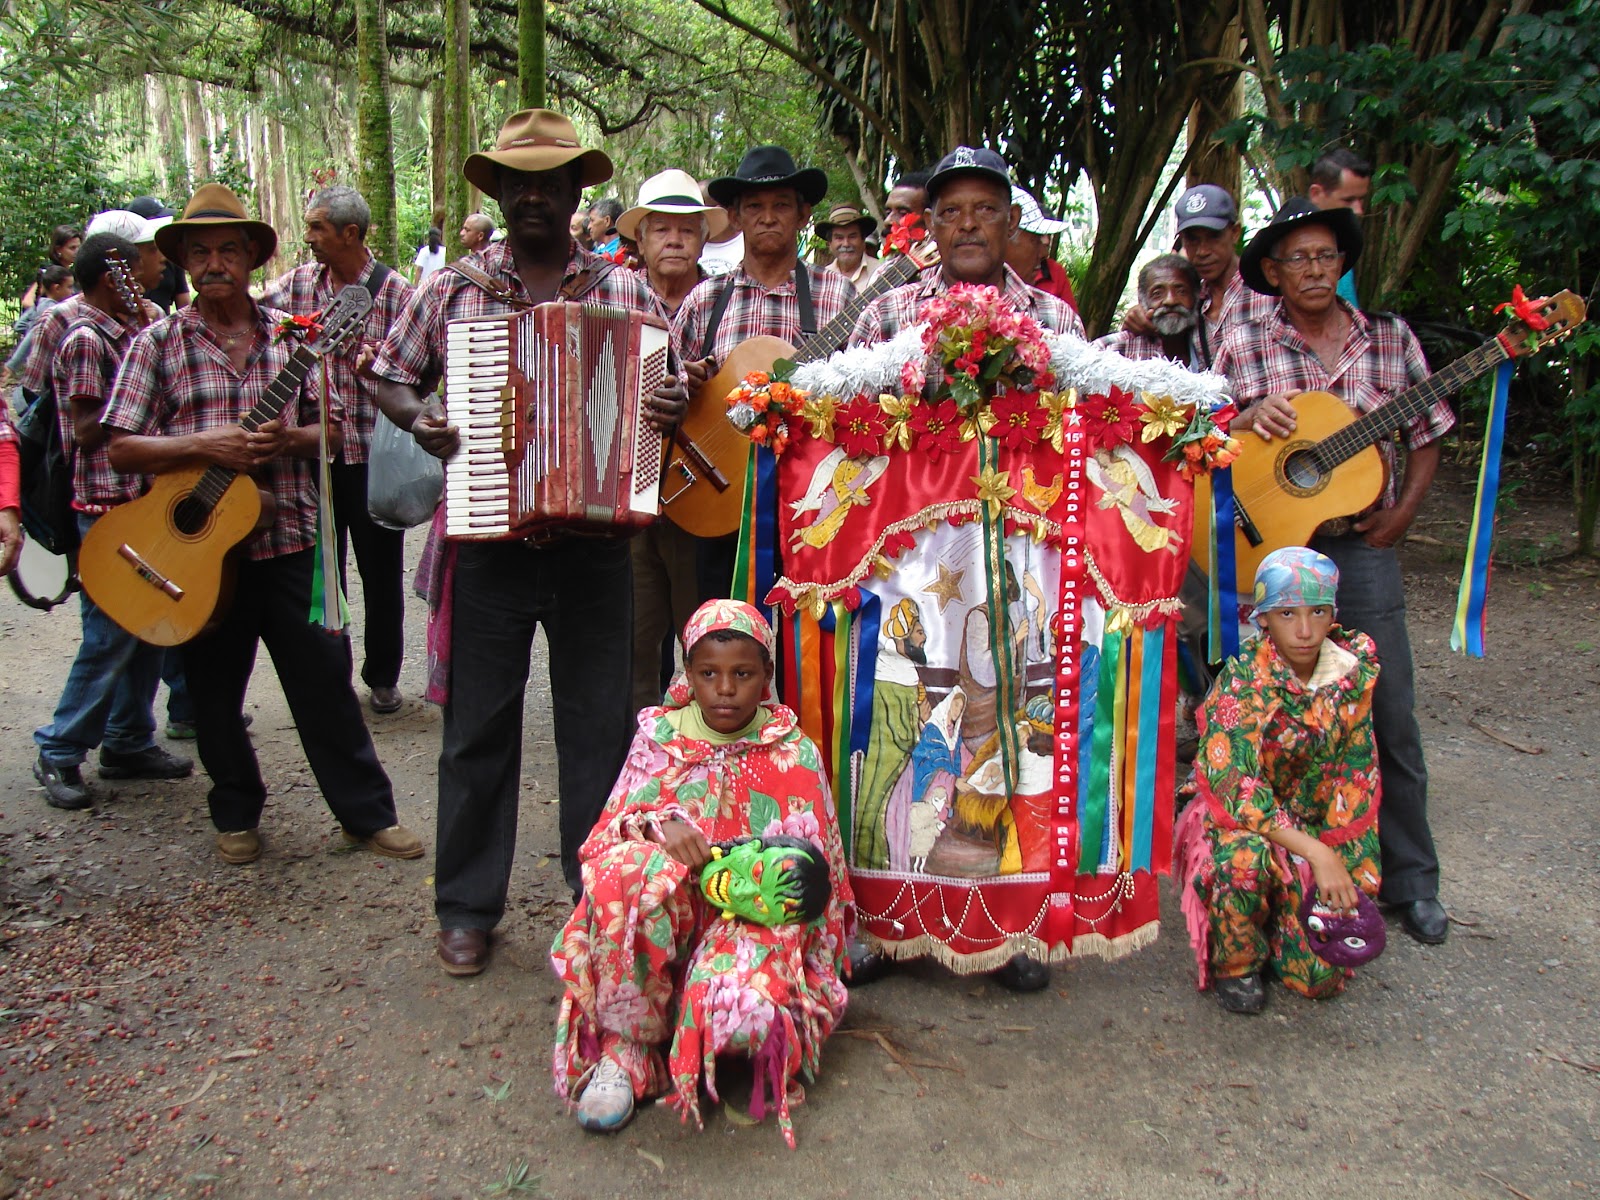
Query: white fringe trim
{"x": 1085, "y": 945}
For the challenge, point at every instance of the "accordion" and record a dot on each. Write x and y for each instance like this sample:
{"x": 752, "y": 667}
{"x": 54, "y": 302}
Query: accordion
{"x": 550, "y": 407}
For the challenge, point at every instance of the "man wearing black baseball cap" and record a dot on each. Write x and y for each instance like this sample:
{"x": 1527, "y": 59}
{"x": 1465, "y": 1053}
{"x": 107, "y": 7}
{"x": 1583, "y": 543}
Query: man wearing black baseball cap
{"x": 973, "y": 220}
{"x": 173, "y": 291}
{"x": 1312, "y": 340}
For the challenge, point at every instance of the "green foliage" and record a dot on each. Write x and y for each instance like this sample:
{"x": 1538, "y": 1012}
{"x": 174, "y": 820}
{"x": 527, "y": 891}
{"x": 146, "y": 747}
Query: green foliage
{"x": 51, "y": 169}
{"x": 517, "y": 1181}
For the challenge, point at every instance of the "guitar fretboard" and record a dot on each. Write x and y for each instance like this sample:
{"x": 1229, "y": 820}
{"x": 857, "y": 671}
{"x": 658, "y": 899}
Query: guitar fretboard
{"x": 902, "y": 268}
{"x": 1371, "y": 428}
{"x": 214, "y": 482}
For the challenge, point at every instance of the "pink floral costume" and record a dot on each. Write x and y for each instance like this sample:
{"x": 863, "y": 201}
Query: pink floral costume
{"x": 646, "y": 961}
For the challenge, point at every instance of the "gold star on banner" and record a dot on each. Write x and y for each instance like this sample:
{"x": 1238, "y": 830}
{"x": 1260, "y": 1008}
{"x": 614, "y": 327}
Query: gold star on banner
{"x": 994, "y": 489}
{"x": 947, "y": 587}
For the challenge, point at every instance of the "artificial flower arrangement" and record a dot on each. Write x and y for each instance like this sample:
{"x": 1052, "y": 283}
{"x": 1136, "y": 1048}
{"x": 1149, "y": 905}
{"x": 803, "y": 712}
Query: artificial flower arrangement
{"x": 903, "y": 233}
{"x": 975, "y": 366}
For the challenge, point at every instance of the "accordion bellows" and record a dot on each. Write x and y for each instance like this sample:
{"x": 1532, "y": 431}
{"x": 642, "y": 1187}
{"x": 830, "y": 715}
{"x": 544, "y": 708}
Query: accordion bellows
{"x": 550, "y": 407}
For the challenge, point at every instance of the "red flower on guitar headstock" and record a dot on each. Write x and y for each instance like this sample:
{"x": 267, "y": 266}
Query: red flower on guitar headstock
{"x": 304, "y": 327}
{"x": 1526, "y": 310}
{"x": 905, "y": 232}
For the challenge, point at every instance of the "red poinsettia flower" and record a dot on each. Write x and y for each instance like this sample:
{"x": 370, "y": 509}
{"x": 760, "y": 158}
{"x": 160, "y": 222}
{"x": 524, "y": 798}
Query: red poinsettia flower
{"x": 860, "y": 426}
{"x": 938, "y": 428}
{"x": 1019, "y": 419}
{"x": 1109, "y": 421}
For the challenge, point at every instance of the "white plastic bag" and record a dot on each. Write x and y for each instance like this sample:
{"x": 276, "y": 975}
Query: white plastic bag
{"x": 404, "y": 481}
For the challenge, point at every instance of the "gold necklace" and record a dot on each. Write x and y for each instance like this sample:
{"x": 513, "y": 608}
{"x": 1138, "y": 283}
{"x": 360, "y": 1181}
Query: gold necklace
{"x": 230, "y": 338}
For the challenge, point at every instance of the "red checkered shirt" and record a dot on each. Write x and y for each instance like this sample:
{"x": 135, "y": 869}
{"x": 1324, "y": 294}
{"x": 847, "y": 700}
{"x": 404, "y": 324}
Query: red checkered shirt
{"x": 413, "y": 352}
{"x": 309, "y": 289}
{"x": 86, "y": 364}
{"x": 1143, "y": 346}
{"x": 755, "y": 310}
{"x": 1240, "y": 304}
{"x": 897, "y": 308}
{"x": 1381, "y": 358}
{"x": 177, "y": 380}
{"x": 43, "y": 339}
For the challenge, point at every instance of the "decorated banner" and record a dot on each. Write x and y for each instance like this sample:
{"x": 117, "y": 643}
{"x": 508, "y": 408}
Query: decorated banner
{"x": 978, "y": 534}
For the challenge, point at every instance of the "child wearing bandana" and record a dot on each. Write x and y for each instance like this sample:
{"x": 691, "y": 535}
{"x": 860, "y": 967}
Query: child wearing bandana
{"x": 649, "y": 967}
{"x": 1286, "y": 774}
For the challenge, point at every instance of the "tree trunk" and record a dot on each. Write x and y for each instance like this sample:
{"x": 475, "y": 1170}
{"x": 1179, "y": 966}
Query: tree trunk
{"x": 194, "y": 135}
{"x": 530, "y": 54}
{"x": 438, "y": 151}
{"x": 1220, "y": 102}
{"x": 376, "y": 157}
{"x": 458, "y": 117}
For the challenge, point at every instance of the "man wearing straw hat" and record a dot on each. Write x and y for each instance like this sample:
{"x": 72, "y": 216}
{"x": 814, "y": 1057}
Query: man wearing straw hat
{"x": 176, "y": 404}
{"x": 670, "y": 224}
{"x": 846, "y": 231}
{"x": 487, "y": 599}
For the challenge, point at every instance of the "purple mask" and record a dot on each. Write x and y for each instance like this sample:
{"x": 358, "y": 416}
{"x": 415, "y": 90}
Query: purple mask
{"x": 1343, "y": 939}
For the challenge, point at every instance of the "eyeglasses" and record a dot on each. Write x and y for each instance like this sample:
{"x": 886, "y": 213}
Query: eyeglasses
{"x": 1301, "y": 261}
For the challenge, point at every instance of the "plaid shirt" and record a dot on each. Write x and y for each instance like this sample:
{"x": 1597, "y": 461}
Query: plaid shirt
{"x": 309, "y": 289}
{"x": 1381, "y": 358}
{"x": 413, "y": 351}
{"x": 43, "y": 339}
{"x": 897, "y": 308}
{"x": 1239, "y": 305}
{"x": 177, "y": 380}
{"x": 1142, "y": 346}
{"x": 755, "y": 310}
{"x": 84, "y": 369}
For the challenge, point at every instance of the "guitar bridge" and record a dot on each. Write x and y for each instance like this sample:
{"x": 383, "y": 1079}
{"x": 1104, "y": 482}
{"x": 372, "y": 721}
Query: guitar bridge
{"x": 148, "y": 573}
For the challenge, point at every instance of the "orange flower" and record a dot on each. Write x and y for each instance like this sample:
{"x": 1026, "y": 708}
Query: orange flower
{"x": 781, "y": 393}
{"x": 758, "y": 433}
{"x": 1217, "y": 751}
{"x": 759, "y": 403}
{"x": 757, "y": 379}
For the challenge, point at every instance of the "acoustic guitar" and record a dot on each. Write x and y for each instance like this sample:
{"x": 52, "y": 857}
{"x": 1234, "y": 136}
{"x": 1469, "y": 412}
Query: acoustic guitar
{"x": 1330, "y": 466}
{"x": 704, "y": 484}
{"x": 161, "y": 566}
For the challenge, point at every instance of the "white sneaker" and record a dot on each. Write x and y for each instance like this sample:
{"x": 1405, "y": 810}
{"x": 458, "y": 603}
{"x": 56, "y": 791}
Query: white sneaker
{"x": 607, "y": 1103}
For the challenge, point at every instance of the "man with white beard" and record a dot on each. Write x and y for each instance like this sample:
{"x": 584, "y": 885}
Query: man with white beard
{"x": 1169, "y": 293}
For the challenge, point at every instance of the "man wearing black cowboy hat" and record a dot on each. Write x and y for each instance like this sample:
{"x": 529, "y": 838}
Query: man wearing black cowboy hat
{"x": 972, "y": 219}
{"x": 1314, "y": 341}
{"x": 771, "y": 293}
{"x": 500, "y": 592}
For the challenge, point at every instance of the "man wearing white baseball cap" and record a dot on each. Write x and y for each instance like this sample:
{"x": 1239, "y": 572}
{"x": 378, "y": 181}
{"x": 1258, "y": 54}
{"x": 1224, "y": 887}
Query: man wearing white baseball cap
{"x": 1028, "y": 254}
{"x": 670, "y": 224}
{"x": 39, "y": 353}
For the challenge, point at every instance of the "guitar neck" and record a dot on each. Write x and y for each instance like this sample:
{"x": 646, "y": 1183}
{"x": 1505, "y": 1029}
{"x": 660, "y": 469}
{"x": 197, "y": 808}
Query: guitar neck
{"x": 214, "y": 482}
{"x": 902, "y": 268}
{"x": 1371, "y": 428}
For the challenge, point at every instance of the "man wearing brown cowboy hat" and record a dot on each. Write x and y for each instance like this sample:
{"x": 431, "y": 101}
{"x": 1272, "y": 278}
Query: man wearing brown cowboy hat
{"x": 580, "y": 590}
{"x": 846, "y": 231}
{"x": 1312, "y": 340}
{"x": 771, "y": 293}
{"x": 176, "y": 404}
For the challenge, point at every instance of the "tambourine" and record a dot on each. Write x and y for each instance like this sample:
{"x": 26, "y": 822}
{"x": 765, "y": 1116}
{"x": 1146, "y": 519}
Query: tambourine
{"x": 43, "y": 580}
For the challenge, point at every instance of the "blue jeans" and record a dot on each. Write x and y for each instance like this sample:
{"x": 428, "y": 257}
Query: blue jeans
{"x": 1372, "y": 599}
{"x": 180, "y": 709}
{"x": 110, "y": 690}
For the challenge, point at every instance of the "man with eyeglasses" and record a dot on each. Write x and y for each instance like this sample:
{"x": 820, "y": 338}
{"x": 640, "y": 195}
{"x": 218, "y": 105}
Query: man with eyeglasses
{"x": 973, "y": 220}
{"x": 1313, "y": 340}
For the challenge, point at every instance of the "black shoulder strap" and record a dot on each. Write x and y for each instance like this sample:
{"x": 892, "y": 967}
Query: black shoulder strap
{"x": 802, "y": 293}
{"x": 377, "y": 277}
{"x": 717, "y": 311}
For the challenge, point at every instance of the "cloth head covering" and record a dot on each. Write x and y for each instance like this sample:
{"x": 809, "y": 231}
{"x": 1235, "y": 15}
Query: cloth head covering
{"x": 722, "y": 614}
{"x": 1205, "y": 206}
{"x": 965, "y": 160}
{"x": 769, "y": 166}
{"x": 124, "y": 223}
{"x": 1034, "y": 218}
{"x": 213, "y": 205}
{"x": 845, "y": 214}
{"x": 1294, "y": 576}
{"x": 674, "y": 192}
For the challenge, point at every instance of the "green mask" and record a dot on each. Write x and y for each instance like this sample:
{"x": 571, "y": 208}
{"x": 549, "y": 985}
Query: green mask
{"x": 767, "y": 881}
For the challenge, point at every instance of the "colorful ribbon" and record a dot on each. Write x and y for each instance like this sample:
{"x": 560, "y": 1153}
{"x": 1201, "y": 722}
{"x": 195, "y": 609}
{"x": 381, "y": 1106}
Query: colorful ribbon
{"x": 1466, "y": 633}
{"x": 333, "y": 616}
{"x": 1224, "y": 570}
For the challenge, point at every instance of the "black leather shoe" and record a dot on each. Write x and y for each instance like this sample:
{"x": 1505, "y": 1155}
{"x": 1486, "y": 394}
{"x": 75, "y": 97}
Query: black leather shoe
{"x": 153, "y": 762}
{"x": 1023, "y": 974}
{"x": 867, "y": 965}
{"x": 63, "y": 786}
{"x": 1241, "y": 994}
{"x": 1426, "y": 920}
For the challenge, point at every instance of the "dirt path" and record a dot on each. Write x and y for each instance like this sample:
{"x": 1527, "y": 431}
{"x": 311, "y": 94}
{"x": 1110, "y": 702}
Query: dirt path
{"x": 173, "y": 1027}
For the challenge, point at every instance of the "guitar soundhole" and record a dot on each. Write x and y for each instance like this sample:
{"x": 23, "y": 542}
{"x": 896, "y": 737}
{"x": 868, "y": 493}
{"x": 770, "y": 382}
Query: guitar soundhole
{"x": 1302, "y": 475}
{"x": 189, "y": 516}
